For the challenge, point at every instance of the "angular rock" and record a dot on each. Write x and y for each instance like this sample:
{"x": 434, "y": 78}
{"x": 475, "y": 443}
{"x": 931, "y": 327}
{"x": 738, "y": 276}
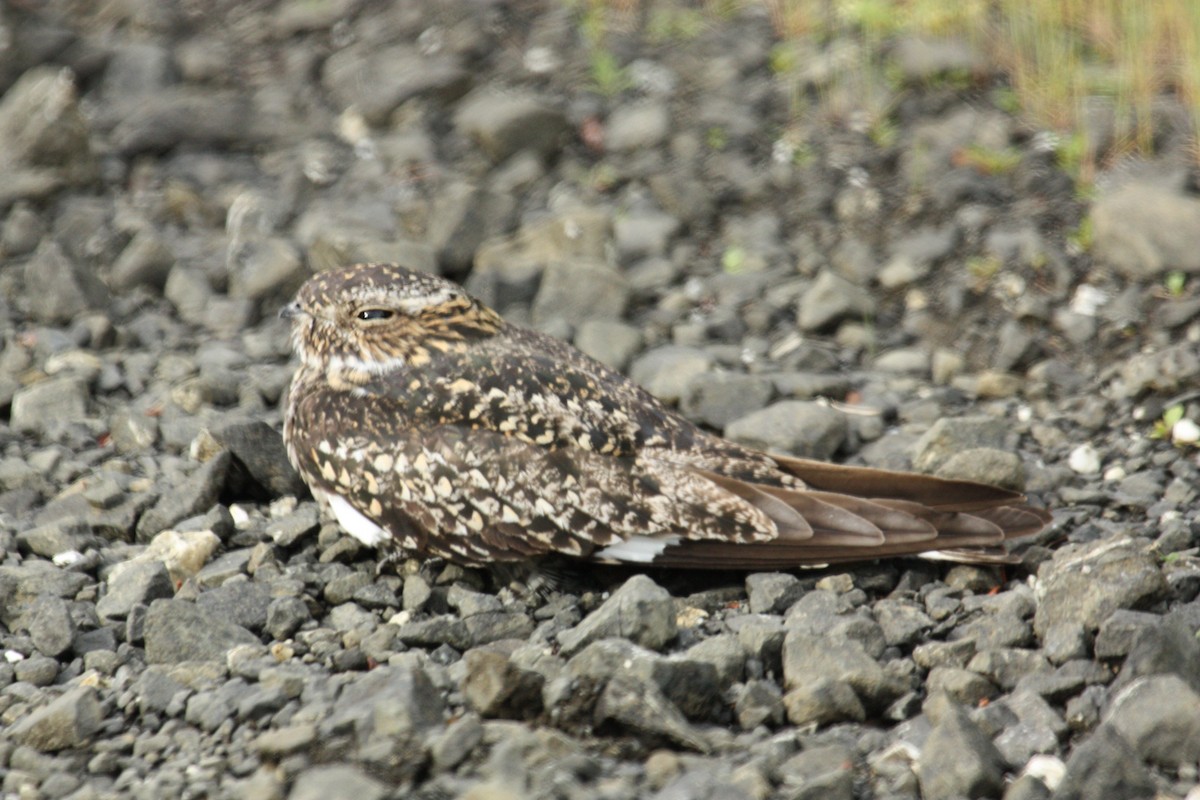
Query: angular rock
{"x": 772, "y": 592}
{"x": 959, "y": 760}
{"x": 376, "y": 80}
{"x": 50, "y": 625}
{"x": 831, "y": 299}
{"x": 950, "y": 436}
{"x": 809, "y": 658}
{"x": 1145, "y": 230}
{"x": 177, "y": 630}
{"x": 718, "y": 398}
{"x": 337, "y": 782}
{"x": 47, "y": 405}
{"x": 1160, "y": 717}
{"x": 640, "y": 707}
{"x": 140, "y": 583}
{"x": 823, "y": 701}
{"x": 1085, "y": 584}
{"x": 195, "y": 496}
{"x": 640, "y": 611}
{"x": 1104, "y": 765}
{"x": 581, "y": 289}
{"x": 65, "y": 722}
{"x": 495, "y": 687}
{"x": 667, "y": 371}
{"x": 797, "y": 427}
{"x": 504, "y": 124}
{"x": 258, "y": 449}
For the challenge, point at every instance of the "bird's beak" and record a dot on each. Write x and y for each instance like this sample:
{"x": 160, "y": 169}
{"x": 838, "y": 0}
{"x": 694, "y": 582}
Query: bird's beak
{"x": 290, "y": 310}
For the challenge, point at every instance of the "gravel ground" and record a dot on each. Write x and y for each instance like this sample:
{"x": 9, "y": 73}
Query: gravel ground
{"x": 179, "y": 620}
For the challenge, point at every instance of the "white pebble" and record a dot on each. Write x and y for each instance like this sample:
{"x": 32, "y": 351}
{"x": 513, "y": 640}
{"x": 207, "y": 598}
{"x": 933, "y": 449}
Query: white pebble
{"x": 1185, "y": 431}
{"x": 1115, "y": 474}
{"x": 67, "y": 558}
{"x": 1047, "y": 769}
{"x": 1084, "y": 459}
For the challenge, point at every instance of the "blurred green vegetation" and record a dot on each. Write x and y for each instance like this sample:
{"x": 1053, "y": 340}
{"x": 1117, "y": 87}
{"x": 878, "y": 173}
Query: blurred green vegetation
{"x": 1094, "y": 72}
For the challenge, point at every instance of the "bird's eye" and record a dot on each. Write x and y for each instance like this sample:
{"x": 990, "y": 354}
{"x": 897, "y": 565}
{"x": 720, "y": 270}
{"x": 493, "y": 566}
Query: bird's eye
{"x": 370, "y": 314}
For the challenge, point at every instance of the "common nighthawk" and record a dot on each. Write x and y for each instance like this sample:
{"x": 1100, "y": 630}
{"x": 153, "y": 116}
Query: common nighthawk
{"x": 429, "y": 423}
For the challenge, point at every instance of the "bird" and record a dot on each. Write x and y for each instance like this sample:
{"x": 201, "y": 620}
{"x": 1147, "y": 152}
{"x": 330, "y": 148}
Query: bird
{"x": 430, "y": 425}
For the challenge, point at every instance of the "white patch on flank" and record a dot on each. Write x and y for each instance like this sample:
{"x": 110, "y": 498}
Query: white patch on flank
{"x": 638, "y": 549}
{"x": 355, "y": 523}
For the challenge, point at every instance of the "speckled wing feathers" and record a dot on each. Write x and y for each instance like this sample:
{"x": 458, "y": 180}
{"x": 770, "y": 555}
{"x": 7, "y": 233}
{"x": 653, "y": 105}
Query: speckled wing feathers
{"x": 479, "y": 441}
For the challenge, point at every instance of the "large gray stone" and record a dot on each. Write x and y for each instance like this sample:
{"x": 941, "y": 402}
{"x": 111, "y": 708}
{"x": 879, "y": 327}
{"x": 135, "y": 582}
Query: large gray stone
{"x": 1160, "y": 717}
{"x": 177, "y": 630}
{"x": 65, "y": 722}
{"x": 1144, "y": 230}
{"x": 797, "y": 427}
{"x": 1085, "y": 584}
{"x": 640, "y": 611}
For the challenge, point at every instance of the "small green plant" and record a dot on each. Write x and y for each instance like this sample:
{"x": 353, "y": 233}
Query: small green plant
{"x": 1175, "y": 282}
{"x": 983, "y": 269}
{"x": 608, "y": 75}
{"x": 733, "y": 260}
{"x": 1164, "y": 424}
{"x": 989, "y": 161}
{"x": 716, "y": 137}
{"x": 1081, "y": 239}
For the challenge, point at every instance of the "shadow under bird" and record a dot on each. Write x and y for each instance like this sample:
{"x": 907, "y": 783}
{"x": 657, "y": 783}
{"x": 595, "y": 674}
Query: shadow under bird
{"x": 427, "y": 422}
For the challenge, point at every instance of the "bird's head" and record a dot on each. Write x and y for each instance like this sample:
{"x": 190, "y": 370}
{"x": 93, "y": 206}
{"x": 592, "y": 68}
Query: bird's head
{"x": 370, "y": 319}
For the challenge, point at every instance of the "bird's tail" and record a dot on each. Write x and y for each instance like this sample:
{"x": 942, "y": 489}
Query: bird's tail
{"x": 858, "y": 513}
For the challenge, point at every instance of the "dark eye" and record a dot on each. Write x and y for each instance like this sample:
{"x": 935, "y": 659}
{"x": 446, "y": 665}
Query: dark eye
{"x": 368, "y": 314}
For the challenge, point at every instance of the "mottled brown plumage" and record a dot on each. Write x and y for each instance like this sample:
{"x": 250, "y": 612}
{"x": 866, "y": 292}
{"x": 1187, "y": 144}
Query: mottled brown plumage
{"x": 428, "y": 422}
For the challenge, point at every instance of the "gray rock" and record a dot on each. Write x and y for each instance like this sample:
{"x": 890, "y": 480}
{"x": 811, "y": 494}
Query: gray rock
{"x": 759, "y": 702}
{"x": 177, "y": 630}
{"x": 140, "y": 583}
{"x": 1160, "y": 717}
{"x": 985, "y": 465}
{"x": 258, "y": 448}
{"x": 718, "y": 398}
{"x": 196, "y": 495}
{"x": 50, "y": 625}
{"x": 637, "y": 126}
{"x": 823, "y": 701}
{"x": 772, "y": 592}
{"x": 192, "y": 116}
{"x": 22, "y": 230}
{"x": 1104, "y": 765}
{"x": 55, "y": 537}
{"x": 285, "y": 615}
{"x": 65, "y": 288}
{"x": 43, "y": 134}
{"x": 288, "y": 530}
{"x": 640, "y": 611}
{"x": 1007, "y": 666}
{"x": 65, "y": 722}
{"x": 644, "y": 234}
{"x": 46, "y": 406}
{"x": 1145, "y": 230}
{"x": 1170, "y": 647}
{"x": 495, "y": 687}
{"x": 267, "y": 268}
{"x": 337, "y": 782}
{"x": 608, "y": 341}
{"x": 376, "y": 80}
{"x": 462, "y": 217}
{"x": 1116, "y": 635}
{"x": 950, "y": 436}
{"x": 504, "y": 124}
{"x": 37, "y": 670}
{"x": 145, "y": 261}
{"x": 831, "y": 299}
{"x": 961, "y": 685}
{"x": 244, "y": 603}
{"x": 959, "y": 760}
{"x": 823, "y": 771}
{"x": 443, "y": 629}
{"x": 809, "y": 658}
{"x": 903, "y": 622}
{"x": 578, "y": 290}
{"x": 797, "y": 427}
{"x": 396, "y": 705}
{"x": 640, "y": 707}
{"x": 667, "y": 371}
{"x": 1085, "y": 584}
